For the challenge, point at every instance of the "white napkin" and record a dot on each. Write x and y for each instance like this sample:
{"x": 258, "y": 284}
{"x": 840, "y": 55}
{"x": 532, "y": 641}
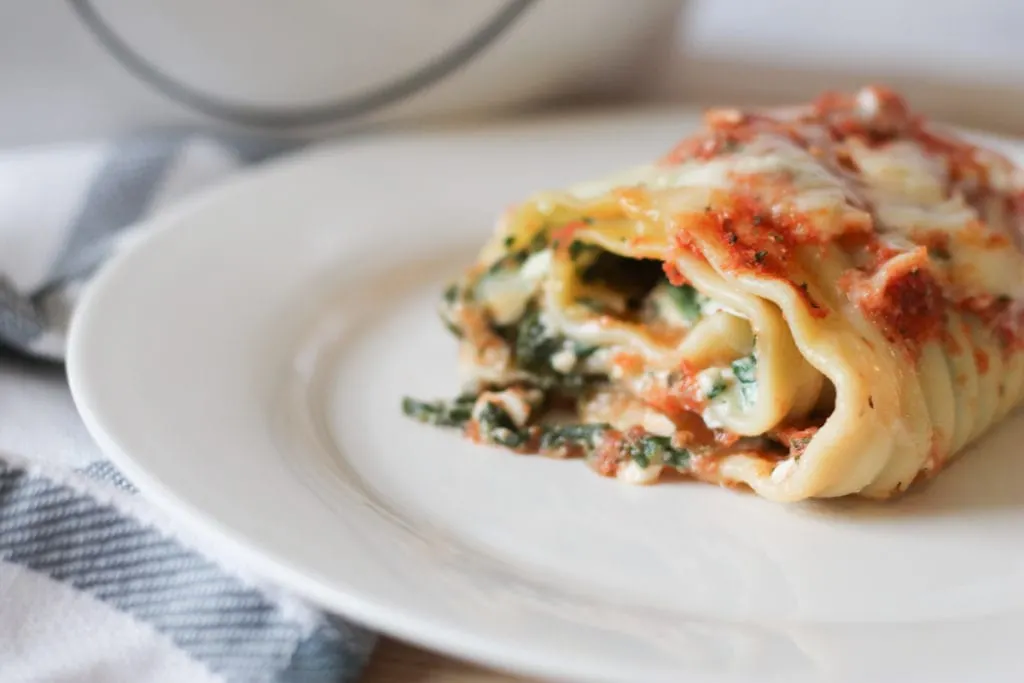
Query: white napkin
{"x": 93, "y": 587}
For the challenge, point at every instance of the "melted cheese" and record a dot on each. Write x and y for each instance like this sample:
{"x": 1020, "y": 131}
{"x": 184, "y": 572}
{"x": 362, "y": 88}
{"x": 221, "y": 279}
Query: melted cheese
{"x": 908, "y": 188}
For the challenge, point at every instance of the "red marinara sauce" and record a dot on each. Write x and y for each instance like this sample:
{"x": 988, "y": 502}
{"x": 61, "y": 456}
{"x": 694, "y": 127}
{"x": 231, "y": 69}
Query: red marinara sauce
{"x": 754, "y": 240}
{"x": 903, "y": 298}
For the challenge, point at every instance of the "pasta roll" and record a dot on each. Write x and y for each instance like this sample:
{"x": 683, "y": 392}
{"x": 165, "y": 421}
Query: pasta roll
{"x": 813, "y": 302}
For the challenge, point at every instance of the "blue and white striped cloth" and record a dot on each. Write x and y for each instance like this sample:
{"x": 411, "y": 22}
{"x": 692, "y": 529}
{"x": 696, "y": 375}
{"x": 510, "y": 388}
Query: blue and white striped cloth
{"x": 93, "y": 586}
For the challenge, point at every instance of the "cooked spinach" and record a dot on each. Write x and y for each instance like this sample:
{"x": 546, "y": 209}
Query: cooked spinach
{"x": 745, "y": 370}
{"x": 577, "y": 249}
{"x": 451, "y": 296}
{"x": 688, "y": 300}
{"x": 716, "y": 389}
{"x": 799, "y": 444}
{"x": 583, "y": 351}
{"x": 451, "y": 293}
{"x": 453, "y": 413}
{"x": 534, "y": 346}
{"x": 452, "y": 327}
{"x": 538, "y": 241}
{"x": 584, "y": 435}
{"x": 511, "y": 260}
{"x": 572, "y": 384}
{"x": 645, "y": 451}
{"x": 516, "y": 258}
{"x": 653, "y": 450}
{"x": 676, "y": 457}
{"x": 498, "y": 427}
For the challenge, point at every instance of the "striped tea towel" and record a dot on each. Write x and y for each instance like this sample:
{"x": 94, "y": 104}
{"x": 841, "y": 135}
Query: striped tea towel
{"x": 93, "y": 589}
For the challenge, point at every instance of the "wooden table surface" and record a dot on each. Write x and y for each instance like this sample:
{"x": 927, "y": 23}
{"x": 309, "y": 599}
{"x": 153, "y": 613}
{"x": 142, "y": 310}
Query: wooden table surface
{"x": 395, "y": 662}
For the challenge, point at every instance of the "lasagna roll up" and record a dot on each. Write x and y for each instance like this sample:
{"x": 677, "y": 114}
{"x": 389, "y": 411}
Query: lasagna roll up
{"x": 810, "y": 302}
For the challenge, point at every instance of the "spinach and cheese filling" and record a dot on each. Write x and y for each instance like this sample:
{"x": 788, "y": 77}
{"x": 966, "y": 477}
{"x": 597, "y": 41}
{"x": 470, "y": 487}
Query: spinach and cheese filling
{"x": 812, "y": 302}
{"x": 604, "y": 373}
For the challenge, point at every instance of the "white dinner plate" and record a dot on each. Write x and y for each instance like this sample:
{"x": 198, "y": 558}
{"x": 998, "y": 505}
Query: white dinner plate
{"x": 244, "y": 364}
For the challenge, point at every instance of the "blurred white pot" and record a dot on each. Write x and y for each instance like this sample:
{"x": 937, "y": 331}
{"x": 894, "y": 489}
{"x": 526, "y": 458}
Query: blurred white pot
{"x": 88, "y": 67}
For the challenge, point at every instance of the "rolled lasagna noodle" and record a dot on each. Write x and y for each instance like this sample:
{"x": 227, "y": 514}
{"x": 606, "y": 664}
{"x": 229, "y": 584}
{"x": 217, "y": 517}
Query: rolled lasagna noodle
{"x": 814, "y": 302}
